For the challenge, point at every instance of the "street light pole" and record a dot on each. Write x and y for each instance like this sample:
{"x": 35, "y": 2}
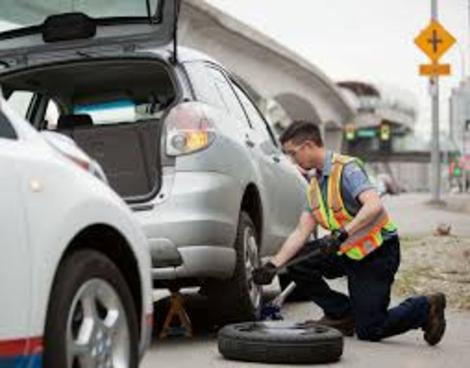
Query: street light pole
{"x": 435, "y": 152}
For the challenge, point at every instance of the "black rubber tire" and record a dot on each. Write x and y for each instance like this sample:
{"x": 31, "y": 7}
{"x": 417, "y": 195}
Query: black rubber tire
{"x": 78, "y": 268}
{"x": 280, "y": 342}
{"x": 230, "y": 298}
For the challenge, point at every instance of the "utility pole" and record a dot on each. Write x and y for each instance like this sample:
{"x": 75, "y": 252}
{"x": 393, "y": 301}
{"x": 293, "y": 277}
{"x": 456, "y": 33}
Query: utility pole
{"x": 468, "y": 33}
{"x": 464, "y": 122}
{"x": 435, "y": 152}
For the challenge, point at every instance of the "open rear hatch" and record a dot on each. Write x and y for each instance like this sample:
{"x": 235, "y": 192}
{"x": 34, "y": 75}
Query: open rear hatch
{"x": 112, "y": 108}
{"x": 31, "y": 28}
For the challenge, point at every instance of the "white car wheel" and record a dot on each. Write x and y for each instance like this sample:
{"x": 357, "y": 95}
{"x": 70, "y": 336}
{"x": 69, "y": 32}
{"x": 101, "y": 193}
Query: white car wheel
{"x": 91, "y": 320}
{"x": 97, "y": 328}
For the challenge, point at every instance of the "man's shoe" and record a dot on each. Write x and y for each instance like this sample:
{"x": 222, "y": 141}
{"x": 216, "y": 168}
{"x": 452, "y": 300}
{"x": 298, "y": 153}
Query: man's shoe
{"x": 436, "y": 323}
{"x": 344, "y": 325}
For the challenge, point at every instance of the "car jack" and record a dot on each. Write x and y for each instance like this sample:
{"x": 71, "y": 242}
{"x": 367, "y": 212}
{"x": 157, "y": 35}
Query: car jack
{"x": 176, "y": 310}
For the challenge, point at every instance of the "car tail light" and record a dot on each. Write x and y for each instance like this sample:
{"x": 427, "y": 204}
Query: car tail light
{"x": 188, "y": 129}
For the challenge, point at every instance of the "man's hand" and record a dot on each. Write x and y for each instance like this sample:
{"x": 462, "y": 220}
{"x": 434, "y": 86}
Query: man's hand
{"x": 265, "y": 274}
{"x": 330, "y": 244}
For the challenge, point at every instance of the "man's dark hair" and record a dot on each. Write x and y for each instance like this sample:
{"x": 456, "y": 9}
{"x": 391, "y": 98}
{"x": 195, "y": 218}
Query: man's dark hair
{"x": 301, "y": 131}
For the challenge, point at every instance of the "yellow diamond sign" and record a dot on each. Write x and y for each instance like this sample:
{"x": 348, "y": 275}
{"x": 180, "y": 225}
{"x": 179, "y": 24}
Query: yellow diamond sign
{"x": 435, "y": 40}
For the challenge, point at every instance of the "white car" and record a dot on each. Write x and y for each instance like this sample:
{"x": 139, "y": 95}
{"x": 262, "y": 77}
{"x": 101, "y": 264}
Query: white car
{"x": 75, "y": 288}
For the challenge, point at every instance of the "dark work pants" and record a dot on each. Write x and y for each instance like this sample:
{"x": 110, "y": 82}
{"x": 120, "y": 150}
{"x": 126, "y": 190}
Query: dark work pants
{"x": 369, "y": 285}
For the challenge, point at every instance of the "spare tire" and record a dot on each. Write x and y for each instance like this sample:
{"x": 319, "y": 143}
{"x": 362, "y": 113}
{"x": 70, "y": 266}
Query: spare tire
{"x": 280, "y": 342}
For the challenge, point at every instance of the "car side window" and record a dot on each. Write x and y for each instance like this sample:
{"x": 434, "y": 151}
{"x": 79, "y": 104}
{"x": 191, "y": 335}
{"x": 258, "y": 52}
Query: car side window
{"x": 256, "y": 119}
{"x": 204, "y": 91}
{"x": 6, "y": 129}
{"x": 211, "y": 86}
{"x": 227, "y": 95}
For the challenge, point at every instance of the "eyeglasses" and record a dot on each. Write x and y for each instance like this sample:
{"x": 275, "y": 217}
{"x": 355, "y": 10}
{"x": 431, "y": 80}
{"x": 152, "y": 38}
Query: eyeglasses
{"x": 293, "y": 152}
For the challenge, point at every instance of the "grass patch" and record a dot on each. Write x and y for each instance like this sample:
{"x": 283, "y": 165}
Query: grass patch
{"x": 408, "y": 281}
{"x": 405, "y": 283}
{"x": 410, "y": 238}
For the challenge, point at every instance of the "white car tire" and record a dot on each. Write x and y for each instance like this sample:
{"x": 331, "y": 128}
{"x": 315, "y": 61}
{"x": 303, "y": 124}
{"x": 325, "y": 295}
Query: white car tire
{"x": 91, "y": 316}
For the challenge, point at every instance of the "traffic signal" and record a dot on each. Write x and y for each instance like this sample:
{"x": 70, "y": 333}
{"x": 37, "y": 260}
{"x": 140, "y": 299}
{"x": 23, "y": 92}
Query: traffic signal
{"x": 350, "y": 130}
{"x": 385, "y": 132}
{"x": 455, "y": 168}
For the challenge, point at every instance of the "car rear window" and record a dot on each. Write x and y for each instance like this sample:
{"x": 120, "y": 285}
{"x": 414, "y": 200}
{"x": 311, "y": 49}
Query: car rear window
{"x": 17, "y": 14}
{"x": 118, "y": 112}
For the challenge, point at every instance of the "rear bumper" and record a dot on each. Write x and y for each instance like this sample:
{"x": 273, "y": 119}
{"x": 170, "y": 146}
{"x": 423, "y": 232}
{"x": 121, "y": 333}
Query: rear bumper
{"x": 192, "y": 231}
{"x": 199, "y": 262}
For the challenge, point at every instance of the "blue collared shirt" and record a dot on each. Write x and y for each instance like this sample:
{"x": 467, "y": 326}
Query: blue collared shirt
{"x": 354, "y": 181}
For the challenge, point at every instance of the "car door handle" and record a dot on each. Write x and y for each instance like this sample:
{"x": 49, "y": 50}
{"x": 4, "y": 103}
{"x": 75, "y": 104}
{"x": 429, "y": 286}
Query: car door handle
{"x": 276, "y": 159}
{"x": 250, "y": 143}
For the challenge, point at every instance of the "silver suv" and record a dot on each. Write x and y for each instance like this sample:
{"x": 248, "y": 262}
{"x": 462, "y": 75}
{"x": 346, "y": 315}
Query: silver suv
{"x": 177, "y": 135}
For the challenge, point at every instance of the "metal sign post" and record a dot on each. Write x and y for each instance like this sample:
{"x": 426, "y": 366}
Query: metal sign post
{"x": 435, "y": 150}
{"x": 435, "y": 153}
{"x": 434, "y": 41}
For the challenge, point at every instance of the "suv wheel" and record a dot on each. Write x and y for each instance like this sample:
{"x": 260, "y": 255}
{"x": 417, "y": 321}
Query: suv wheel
{"x": 91, "y": 321}
{"x": 239, "y": 299}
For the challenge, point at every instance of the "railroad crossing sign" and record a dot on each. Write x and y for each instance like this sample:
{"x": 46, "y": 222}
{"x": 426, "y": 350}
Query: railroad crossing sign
{"x": 434, "y": 41}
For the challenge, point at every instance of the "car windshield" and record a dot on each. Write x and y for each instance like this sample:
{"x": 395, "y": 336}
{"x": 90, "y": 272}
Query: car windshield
{"x": 23, "y": 13}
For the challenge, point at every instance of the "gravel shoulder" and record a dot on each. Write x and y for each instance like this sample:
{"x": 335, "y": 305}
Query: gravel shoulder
{"x": 431, "y": 263}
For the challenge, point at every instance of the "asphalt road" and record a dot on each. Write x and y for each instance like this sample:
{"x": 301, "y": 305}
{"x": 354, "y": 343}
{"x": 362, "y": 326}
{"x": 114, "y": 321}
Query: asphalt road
{"x": 404, "y": 351}
{"x": 415, "y": 217}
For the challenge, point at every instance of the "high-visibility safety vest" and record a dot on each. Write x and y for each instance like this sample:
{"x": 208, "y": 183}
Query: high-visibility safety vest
{"x": 333, "y": 214}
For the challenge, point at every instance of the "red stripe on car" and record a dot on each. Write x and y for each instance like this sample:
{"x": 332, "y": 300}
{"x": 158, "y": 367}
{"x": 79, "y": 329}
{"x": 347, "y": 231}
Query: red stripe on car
{"x": 29, "y": 346}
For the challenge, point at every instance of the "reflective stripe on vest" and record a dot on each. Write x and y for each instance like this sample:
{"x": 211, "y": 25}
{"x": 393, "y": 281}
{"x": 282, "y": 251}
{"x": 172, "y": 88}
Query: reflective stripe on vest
{"x": 315, "y": 200}
{"x": 334, "y": 215}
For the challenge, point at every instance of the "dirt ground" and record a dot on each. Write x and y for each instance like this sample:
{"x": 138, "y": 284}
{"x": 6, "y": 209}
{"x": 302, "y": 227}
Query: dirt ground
{"x": 431, "y": 263}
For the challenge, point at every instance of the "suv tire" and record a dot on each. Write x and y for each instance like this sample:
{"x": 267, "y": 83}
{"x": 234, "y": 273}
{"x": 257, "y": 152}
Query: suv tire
{"x": 239, "y": 299}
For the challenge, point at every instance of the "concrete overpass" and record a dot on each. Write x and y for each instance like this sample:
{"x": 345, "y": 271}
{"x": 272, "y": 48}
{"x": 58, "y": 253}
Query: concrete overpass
{"x": 377, "y": 104}
{"x": 272, "y": 72}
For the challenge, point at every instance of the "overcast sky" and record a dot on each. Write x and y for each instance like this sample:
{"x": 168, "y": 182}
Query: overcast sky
{"x": 370, "y": 40}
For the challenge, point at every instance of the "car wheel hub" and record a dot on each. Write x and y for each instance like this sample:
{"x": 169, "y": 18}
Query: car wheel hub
{"x": 97, "y": 328}
{"x": 251, "y": 262}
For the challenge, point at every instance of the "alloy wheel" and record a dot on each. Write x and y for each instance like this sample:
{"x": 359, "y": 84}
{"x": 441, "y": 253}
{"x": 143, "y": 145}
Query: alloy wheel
{"x": 97, "y": 328}
{"x": 251, "y": 262}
